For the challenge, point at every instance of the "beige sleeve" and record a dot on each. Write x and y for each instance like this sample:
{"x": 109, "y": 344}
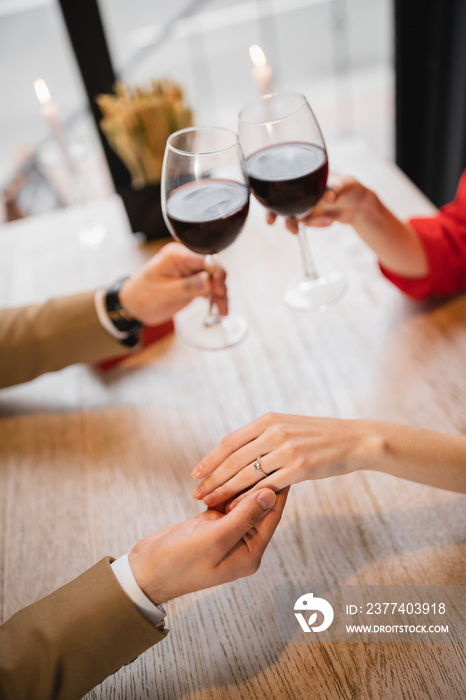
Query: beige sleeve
{"x": 50, "y": 336}
{"x": 67, "y": 643}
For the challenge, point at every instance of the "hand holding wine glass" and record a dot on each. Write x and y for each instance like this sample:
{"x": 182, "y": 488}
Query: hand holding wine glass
{"x": 205, "y": 203}
{"x": 168, "y": 282}
{"x": 287, "y": 167}
{"x": 345, "y": 200}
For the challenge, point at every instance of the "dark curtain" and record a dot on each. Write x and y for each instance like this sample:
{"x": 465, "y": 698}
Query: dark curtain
{"x": 87, "y": 36}
{"x": 430, "y": 65}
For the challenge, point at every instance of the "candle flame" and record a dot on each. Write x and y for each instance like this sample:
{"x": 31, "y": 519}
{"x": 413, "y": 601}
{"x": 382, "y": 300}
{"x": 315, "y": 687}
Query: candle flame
{"x": 257, "y": 56}
{"x": 42, "y": 91}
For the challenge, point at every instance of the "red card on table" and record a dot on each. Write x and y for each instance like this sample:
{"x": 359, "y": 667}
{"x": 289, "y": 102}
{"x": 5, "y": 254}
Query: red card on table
{"x": 149, "y": 335}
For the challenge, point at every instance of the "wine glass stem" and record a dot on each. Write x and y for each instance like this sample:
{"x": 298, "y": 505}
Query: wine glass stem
{"x": 213, "y": 315}
{"x": 310, "y": 272}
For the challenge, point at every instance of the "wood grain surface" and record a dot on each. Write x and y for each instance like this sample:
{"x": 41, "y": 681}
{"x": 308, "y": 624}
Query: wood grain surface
{"x": 91, "y": 462}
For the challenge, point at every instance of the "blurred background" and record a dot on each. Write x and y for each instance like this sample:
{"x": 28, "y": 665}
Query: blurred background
{"x": 340, "y": 53}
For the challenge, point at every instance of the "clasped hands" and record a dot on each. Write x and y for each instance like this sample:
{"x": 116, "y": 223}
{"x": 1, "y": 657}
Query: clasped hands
{"x": 214, "y": 547}
{"x": 225, "y": 544}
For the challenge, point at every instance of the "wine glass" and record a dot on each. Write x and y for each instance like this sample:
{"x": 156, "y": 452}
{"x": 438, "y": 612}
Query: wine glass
{"x": 287, "y": 166}
{"x": 205, "y": 204}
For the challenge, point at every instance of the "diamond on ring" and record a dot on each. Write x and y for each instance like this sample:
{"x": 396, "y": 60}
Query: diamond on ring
{"x": 257, "y": 466}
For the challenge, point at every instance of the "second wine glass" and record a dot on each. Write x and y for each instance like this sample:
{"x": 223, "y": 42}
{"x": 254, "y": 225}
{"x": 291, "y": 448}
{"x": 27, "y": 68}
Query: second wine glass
{"x": 205, "y": 204}
{"x": 287, "y": 166}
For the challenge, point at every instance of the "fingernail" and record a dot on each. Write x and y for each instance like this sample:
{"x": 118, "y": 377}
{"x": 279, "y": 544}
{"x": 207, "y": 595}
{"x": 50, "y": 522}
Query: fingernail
{"x": 202, "y": 280}
{"x": 210, "y": 499}
{"x": 233, "y": 504}
{"x": 266, "y": 499}
{"x": 197, "y": 493}
{"x": 210, "y": 264}
{"x": 197, "y": 472}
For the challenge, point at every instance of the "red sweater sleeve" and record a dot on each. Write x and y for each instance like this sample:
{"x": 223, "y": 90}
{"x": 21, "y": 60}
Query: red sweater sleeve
{"x": 444, "y": 239}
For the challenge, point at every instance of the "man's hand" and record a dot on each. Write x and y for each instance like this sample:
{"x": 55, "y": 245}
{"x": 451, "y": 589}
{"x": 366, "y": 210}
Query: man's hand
{"x": 168, "y": 282}
{"x": 210, "y": 549}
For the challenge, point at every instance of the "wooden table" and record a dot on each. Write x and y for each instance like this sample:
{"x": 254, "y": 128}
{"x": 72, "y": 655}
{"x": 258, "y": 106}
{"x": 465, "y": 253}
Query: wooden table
{"x": 91, "y": 462}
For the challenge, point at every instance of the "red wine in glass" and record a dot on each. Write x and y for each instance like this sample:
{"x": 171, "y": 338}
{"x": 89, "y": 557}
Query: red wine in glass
{"x": 286, "y": 164}
{"x": 288, "y": 178}
{"x": 207, "y": 215}
{"x": 205, "y": 204}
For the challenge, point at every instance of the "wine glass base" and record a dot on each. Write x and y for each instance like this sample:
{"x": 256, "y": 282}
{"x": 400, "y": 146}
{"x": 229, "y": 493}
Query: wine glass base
{"x": 315, "y": 294}
{"x": 224, "y": 333}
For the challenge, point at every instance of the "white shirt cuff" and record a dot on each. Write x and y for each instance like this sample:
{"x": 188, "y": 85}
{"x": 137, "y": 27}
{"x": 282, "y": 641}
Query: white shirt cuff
{"x": 125, "y": 577}
{"x": 105, "y": 322}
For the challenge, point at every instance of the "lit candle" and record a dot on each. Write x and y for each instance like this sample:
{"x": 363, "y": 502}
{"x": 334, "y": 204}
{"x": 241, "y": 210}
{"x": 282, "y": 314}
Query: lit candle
{"x": 49, "y": 111}
{"x": 261, "y": 70}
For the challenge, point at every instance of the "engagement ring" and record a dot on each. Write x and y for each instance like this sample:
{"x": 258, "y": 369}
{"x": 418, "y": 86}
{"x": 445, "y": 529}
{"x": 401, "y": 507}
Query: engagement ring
{"x": 257, "y": 466}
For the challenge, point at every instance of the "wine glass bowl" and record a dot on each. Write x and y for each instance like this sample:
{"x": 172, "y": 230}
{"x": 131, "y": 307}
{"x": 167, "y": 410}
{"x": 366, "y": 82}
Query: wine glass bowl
{"x": 205, "y": 204}
{"x": 288, "y": 178}
{"x": 286, "y": 162}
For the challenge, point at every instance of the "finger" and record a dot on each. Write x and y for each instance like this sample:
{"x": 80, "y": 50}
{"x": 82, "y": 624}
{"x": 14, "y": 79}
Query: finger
{"x": 244, "y": 479}
{"x": 238, "y": 472}
{"x": 271, "y": 217}
{"x": 228, "y": 504}
{"x": 232, "y": 465}
{"x": 180, "y": 292}
{"x": 184, "y": 262}
{"x": 231, "y": 528}
{"x": 319, "y": 221}
{"x": 227, "y": 446}
{"x": 330, "y": 196}
{"x": 218, "y": 281}
{"x": 277, "y": 481}
{"x": 292, "y": 225}
{"x": 219, "y": 508}
{"x": 222, "y": 304}
{"x": 267, "y": 525}
{"x": 219, "y": 291}
{"x": 250, "y": 549}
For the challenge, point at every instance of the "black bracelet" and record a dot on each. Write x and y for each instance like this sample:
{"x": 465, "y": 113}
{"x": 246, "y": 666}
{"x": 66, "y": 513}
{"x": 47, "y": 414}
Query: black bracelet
{"x": 120, "y": 317}
{"x": 131, "y": 341}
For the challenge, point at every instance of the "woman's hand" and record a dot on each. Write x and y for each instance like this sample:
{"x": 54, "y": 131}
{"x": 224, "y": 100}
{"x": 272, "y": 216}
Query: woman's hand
{"x": 291, "y": 449}
{"x": 345, "y": 200}
{"x": 396, "y": 243}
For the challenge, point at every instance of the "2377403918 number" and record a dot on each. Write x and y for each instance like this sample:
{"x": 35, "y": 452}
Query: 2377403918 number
{"x": 405, "y": 608}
